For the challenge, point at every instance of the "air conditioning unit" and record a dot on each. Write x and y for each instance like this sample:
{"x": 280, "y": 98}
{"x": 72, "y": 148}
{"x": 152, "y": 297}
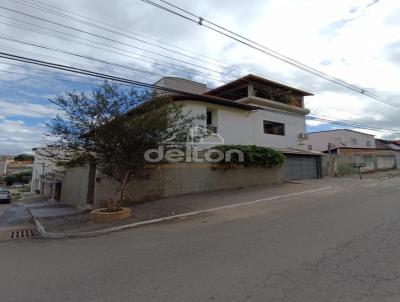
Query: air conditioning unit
{"x": 303, "y": 136}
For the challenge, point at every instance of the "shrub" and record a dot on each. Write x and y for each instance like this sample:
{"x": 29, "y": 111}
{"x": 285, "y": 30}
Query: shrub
{"x": 24, "y": 157}
{"x": 22, "y": 177}
{"x": 255, "y": 155}
{"x": 345, "y": 169}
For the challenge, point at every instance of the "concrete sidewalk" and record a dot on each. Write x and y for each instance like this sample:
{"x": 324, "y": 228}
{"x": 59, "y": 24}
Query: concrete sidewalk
{"x": 55, "y": 221}
{"x": 16, "y": 222}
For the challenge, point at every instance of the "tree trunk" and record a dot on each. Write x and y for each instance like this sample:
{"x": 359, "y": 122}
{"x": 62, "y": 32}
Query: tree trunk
{"x": 118, "y": 201}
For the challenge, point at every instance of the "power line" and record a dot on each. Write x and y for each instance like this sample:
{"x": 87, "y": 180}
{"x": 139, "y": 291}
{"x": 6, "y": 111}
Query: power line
{"x": 257, "y": 46}
{"x": 111, "y": 51}
{"x": 110, "y": 39}
{"x": 29, "y": 75}
{"x": 85, "y": 72}
{"x": 0, "y": 22}
{"x": 145, "y": 76}
{"x": 67, "y": 14}
{"x": 209, "y": 77}
{"x": 152, "y": 86}
{"x": 150, "y": 1}
{"x": 56, "y": 73}
{"x": 47, "y": 56}
{"x": 179, "y": 68}
{"x": 351, "y": 124}
{"x": 346, "y": 109}
{"x": 327, "y": 120}
{"x": 80, "y": 56}
{"x": 366, "y": 116}
{"x": 331, "y": 120}
{"x": 45, "y": 7}
{"x": 51, "y": 9}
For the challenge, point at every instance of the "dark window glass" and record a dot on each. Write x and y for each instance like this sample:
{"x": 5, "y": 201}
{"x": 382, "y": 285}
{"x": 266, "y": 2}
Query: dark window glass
{"x": 209, "y": 118}
{"x": 274, "y": 128}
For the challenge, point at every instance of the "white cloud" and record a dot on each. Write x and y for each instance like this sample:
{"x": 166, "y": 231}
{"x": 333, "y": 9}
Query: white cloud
{"x": 26, "y": 109}
{"x": 314, "y": 123}
{"x": 17, "y": 137}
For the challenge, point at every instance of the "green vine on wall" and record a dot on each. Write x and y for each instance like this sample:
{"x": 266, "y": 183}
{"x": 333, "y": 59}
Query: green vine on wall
{"x": 255, "y": 155}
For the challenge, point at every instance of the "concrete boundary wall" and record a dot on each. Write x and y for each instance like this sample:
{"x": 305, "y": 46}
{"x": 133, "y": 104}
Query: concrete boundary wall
{"x": 75, "y": 187}
{"x": 339, "y": 165}
{"x": 186, "y": 179}
{"x": 398, "y": 160}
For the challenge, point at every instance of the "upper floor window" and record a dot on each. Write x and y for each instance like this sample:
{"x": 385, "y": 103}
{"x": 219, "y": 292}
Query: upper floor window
{"x": 353, "y": 141}
{"x": 338, "y": 140}
{"x": 309, "y": 147}
{"x": 369, "y": 144}
{"x": 274, "y": 128}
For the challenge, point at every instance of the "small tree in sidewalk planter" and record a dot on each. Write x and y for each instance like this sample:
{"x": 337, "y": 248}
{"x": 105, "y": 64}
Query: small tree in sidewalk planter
{"x": 112, "y": 128}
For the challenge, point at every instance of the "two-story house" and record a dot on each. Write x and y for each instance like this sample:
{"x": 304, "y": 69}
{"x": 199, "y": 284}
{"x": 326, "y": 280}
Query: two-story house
{"x": 248, "y": 111}
{"x": 253, "y": 111}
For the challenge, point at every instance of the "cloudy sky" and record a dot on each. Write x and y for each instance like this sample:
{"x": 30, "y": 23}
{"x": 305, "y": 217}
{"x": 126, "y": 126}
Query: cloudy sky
{"x": 354, "y": 40}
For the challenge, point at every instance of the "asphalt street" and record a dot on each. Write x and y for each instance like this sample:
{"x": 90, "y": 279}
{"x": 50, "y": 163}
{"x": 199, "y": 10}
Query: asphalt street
{"x": 338, "y": 245}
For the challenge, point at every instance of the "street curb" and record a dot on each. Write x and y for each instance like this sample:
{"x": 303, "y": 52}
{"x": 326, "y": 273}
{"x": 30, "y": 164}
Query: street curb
{"x": 50, "y": 235}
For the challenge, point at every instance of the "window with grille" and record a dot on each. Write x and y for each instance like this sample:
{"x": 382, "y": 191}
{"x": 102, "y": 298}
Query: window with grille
{"x": 274, "y": 128}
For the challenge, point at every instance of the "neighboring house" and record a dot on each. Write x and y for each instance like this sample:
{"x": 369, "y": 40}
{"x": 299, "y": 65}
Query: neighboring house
{"x": 43, "y": 172}
{"x": 390, "y": 145}
{"x": 384, "y": 156}
{"x": 72, "y": 186}
{"x": 14, "y": 166}
{"x": 385, "y": 144}
{"x": 10, "y": 166}
{"x": 339, "y": 138}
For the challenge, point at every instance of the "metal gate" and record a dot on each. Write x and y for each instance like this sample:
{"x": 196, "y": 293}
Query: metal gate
{"x": 301, "y": 167}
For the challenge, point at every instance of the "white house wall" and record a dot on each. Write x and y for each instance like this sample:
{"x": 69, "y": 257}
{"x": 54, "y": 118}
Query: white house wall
{"x": 294, "y": 125}
{"x": 41, "y": 166}
{"x": 238, "y": 126}
{"x": 195, "y": 109}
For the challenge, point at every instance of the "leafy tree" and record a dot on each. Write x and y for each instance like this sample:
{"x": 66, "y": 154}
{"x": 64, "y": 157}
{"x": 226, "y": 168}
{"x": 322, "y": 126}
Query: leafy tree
{"x": 22, "y": 177}
{"x": 112, "y": 128}
{"x": 23, "y": 157}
